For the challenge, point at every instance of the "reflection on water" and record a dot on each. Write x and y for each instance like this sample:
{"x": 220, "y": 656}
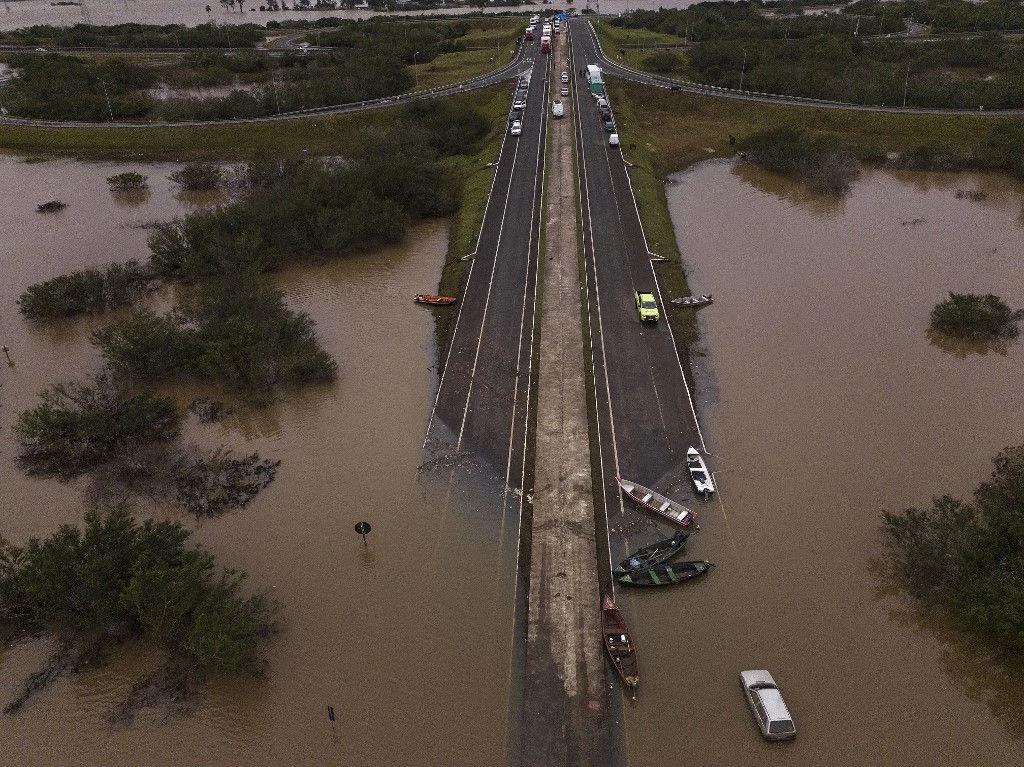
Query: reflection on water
{"x": 965, "y": 347}
{"x": 825, "y": 403}
{"x": 408, "y": 639}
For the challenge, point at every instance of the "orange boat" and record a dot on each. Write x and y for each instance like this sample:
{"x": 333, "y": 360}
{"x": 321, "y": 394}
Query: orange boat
{"x": 424, "y": 298}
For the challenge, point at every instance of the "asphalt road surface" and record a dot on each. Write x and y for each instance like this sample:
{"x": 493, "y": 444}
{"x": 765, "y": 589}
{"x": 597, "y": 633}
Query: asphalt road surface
{"x": 645, "y": 418}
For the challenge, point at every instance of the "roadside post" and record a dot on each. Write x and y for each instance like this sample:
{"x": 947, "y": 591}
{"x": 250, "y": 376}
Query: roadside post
{"x": 363, "y": 528}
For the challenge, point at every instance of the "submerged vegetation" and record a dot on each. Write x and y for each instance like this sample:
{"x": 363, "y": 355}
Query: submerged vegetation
{"x": 129, "y": 181}
{"x": 975, "y": 317}
{"x": 198, "y": 176}
{"x": 88, "y": 290}
{"x": 966, "y": 560}
{"x": 821, "y": 162}
{"x": 91, "y": 589}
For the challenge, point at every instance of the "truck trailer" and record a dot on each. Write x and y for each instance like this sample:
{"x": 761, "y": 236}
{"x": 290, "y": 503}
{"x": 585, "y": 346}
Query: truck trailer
{"x": 595, "y": 79}
{"x": 545, "y": 44}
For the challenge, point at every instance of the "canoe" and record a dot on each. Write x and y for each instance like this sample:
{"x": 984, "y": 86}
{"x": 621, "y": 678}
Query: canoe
{"x": 652, "y": 555}
{"x": 665, "y": 574}
{"x": 703, "y": 300}
{"x": 424, "y": 298}
{"x": 659, "y": 504}
{"x": 699, "y": 473}
{"x": 618, "y": 644}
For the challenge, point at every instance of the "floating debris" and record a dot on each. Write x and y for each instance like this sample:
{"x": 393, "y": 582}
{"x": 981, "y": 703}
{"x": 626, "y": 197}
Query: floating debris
{"x": 50, "y": 207}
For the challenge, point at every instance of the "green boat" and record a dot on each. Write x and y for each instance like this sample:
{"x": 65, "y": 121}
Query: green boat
{"x": 665, "y": 574}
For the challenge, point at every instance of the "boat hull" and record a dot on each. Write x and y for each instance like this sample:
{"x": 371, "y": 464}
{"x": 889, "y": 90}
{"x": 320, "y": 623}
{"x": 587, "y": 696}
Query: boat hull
{"x": 666, "y": 574}
{"x": 652, "y": 555}
{"x": 618, "y": 644}
{"x": 664, "y": 507}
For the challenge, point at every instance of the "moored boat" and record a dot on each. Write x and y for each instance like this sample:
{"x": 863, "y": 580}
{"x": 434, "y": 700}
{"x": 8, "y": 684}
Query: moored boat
{"x": 703, "y": 300}
{"x": 425, "y": 298}
{"x": 671, "y": 510}
{"x": 665, "y": 574}
{"x": 618, "y": 644}
{"x": 655, "y": 554}
{"x": 699, "y": 473}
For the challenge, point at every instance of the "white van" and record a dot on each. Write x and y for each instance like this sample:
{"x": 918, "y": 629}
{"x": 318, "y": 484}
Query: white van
{"x": 557, "y": 110}
{"x": 613, "y": 139}
{"x": 765, "y": 700}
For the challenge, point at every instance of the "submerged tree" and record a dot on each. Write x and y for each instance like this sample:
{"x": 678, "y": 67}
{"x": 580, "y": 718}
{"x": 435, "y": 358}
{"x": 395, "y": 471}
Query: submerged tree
{"x": 975, "y": 317}
{"x": 127, "y": 182}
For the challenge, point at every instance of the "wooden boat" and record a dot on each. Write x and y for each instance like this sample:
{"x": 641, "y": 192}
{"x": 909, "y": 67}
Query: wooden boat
{"x": 694, "y": 301}
{"x": 699, "y": 473}
{"x": 652, "y": 555}
{"x": 618, "y": 644}
{"x": 659, "y": 504}
{"x": 425, "y": 298}
{"x": 665, "y": 574}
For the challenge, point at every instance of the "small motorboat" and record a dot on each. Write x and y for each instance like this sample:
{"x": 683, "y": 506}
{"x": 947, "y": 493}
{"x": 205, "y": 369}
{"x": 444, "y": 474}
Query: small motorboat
{"x": 699, "y": 473}
{"x": 665, "y": 574}
{"x": 618, "y": 644}
{"x": 694, "y": 301}
{"x": 659, "y": 504}
{"x": 652, "y": 555}
{"x": 425, "y": 298}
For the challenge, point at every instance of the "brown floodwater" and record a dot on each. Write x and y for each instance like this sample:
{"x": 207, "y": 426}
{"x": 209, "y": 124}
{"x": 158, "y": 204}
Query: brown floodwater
{"x": 826, "y": 402}
{"x": 408, "y": 639}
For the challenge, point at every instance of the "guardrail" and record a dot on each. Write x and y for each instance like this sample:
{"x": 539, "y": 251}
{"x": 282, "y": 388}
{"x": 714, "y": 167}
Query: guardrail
{"x": 484, "y": 80}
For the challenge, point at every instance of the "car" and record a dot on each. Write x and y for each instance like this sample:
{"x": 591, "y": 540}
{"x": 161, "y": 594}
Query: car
{"x": 646, "y": 306}
{"x": 557, "y": 110}
{"x": 765, "y": 700}
{"x": 565, "y": 77}
{"x": 515, "y": 114}
{"x": 517, "y": 128}
{"x": 613, "y": 139}
{"x": 565, "y": 90}
{"x": 609, "y": 125}
{"x": 519, "y": 103}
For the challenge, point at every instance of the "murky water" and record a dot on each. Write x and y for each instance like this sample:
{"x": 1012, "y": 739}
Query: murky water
{"x": 828, "y": 403}
{"x": 408, "y": 639}
{"x": 23, "y": 13}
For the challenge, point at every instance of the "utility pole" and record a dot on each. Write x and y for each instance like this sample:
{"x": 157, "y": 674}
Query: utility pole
{"x": 415, "y": 72}
{"x": 906, "y": 83}
{"x": 106, "y": 95}
{"x": 744, "y": 69}
{"x": 856, "y": 29}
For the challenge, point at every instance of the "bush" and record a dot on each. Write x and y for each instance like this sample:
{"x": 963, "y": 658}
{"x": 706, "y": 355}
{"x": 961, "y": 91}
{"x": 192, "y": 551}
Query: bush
{"x": 664, "y": 62}
{"x": 966, "y": 560}
{"x": 80, "y": 426}
{"x": 237, "y": 332}
{"x": 198, "y": 176}
{"x": 975, "y": 317}
{"x": 127, "y": 182}
{"x": 117, "y": 577}
{"x": 819, "y": 161}
{"x": 89, "y": 290}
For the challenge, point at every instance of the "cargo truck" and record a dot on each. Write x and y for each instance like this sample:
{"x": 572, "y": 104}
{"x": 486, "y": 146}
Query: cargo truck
{"x": 595, "y": 80}
{"x": 545, "y": 44}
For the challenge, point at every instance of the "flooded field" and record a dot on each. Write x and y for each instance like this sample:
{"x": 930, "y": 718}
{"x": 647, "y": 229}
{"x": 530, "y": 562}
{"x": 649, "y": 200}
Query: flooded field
{"x": 825, "y": 402}
{"x": 23, "y": 13}
{"x": 408, "y": 639}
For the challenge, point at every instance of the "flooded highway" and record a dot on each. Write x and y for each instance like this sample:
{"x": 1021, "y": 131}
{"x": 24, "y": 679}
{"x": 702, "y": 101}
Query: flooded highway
{"x": 408, "y": 639}
{"x": 825, "y": 402}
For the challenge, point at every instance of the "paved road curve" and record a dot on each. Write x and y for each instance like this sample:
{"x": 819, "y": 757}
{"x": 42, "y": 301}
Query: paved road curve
{"x": 586, "y": 30}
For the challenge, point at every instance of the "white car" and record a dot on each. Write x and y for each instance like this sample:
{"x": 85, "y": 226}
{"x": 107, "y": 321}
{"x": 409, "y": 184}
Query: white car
{"x": 517, "y": 128}
{"x": 519, "y": 103}
{"x": 565, "y": 77}
{"x": 565, "y": 90}
{"x": 557, "y": 110}
{"x": 613, "y": 139}
{"x": 765, "y": 700}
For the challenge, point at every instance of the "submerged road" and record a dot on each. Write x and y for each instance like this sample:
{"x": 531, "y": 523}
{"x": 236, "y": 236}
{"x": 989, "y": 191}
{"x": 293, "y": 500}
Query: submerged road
{"x": 645, "y": 416}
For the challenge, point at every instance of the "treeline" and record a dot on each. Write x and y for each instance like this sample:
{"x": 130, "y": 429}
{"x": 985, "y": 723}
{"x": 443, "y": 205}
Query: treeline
{"x": 966, "y": 560}
{"x": 820, "y": 161}
{"x": 372, "y": 61}
{"x": 137, "y": 36}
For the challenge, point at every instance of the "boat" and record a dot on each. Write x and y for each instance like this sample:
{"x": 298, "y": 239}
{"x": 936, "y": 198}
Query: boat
{"x": 665, "y": 574}
{"x": 425, "y": 298}
{"x": 671, "y": 510}
{"x": 618, "y": 644}
{"x": 655, "y": 554}
{"x": 693, "y": 301}
{"x": 699, "y": 473}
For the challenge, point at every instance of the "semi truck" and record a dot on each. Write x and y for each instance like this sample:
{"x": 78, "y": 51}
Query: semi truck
{"x": 595, "y": 79}
{"x": 545, "y": 44}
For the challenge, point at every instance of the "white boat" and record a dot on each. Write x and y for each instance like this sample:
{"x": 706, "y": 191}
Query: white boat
{"x": 703, "y": 300}
{"x": 699, "y": 473}
{"x": 671, "y": 510}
